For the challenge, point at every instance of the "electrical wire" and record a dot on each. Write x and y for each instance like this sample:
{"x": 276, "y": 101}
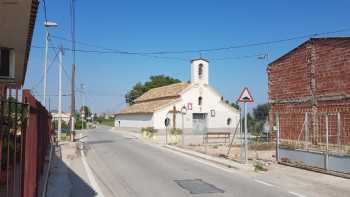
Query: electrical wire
{"x": 254, "y": 44}
{"x": 42, "y": 77}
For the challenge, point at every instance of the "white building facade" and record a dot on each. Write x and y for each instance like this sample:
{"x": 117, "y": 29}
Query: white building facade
{"x": 198, "y": 106}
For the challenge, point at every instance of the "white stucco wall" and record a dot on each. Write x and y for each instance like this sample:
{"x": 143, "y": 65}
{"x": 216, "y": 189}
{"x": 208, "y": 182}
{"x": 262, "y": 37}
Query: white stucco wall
{"x": 210, "y": 101}
{"x": 195, "y": 78}
{"x": 199, "y": 87}
{"x": 134, "y": 120}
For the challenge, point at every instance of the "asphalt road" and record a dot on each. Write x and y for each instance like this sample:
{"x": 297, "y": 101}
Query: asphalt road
{"x": 124, "y": 166}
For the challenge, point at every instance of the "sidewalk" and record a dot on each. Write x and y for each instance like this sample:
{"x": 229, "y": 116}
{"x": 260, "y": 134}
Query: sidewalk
{"x": 67, "y": 176}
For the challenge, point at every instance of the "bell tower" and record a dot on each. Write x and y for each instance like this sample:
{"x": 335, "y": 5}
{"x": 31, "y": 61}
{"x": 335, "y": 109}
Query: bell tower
{"x": 200, "y": 71}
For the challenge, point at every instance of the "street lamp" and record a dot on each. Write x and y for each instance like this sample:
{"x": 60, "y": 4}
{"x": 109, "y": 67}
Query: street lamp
{"x": 183, "y": 112}
{"x": 47, "y": 25}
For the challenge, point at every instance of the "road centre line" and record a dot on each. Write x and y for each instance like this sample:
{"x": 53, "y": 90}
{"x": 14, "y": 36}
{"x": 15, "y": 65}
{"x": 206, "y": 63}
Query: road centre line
{"x": 296, "y": 194}
{"x": 265, "y": 183}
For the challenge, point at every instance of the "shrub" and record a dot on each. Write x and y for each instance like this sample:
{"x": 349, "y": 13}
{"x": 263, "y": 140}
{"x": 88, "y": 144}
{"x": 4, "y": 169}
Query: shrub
{"x": 175, "y": 131}
{"x": 149, "y": 131}
{"x": 258, "y": 166}
{"x": 78, "y": 125}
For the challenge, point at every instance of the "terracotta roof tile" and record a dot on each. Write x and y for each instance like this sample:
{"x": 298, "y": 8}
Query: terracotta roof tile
{"x": 168, "y": 91}
{"x": 155, "y": 98}
{"x": 145, "y": 107}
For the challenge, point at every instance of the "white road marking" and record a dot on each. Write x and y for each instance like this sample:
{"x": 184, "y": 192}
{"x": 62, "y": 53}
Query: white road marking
{"x": 265, "y": 183}
{"x": 90, "y": 175}
{"x": 297, "y": 194}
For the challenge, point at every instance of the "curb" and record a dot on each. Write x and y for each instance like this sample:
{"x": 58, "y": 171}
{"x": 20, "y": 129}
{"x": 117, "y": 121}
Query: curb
{"x": 46, "y": 176}
{"x": 225, "y": 163}
{"x": 318, "y": 170}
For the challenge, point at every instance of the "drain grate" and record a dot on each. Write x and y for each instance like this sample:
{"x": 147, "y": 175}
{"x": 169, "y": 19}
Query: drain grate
{"x": 197, "y": 186}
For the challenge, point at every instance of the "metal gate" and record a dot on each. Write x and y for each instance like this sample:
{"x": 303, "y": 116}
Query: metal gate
{"x": 317, "y": 140}
{"x": 199, "y": 123}
{"x": 25, "y": 133}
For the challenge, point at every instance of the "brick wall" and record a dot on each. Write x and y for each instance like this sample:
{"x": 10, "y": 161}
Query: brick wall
{"x": 288, "y": 77}
{"x": 313, "y": 78}
{"x": 332, "y": 67}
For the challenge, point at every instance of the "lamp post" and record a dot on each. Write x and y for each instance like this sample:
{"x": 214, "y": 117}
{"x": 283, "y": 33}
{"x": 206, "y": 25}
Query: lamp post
{"x": 59, "y": 130}
{"x": 183, "y": 112}
{"x": 47, "y": 25}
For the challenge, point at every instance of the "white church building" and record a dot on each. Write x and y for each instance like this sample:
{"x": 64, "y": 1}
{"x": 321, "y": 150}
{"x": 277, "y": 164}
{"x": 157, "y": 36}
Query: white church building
{"x": 198, "y": 106}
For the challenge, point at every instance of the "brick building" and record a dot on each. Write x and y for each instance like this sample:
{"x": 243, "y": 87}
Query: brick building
{"x": 309, "y": 82}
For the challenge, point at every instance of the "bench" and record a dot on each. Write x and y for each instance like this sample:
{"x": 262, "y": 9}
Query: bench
{"x": 225, "y": 136}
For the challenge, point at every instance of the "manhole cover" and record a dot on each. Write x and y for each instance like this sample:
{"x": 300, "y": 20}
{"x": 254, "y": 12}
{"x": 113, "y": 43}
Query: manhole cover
{"x": 197, "y": 186}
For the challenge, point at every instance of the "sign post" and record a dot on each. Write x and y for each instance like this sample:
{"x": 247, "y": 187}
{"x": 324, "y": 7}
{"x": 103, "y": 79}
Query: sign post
{"x": 166, "y": 123}
{"x": 245, "y": 98}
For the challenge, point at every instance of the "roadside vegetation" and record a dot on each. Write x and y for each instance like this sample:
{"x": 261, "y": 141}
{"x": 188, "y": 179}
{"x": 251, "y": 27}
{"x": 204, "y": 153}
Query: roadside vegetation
{"x": 148, "y": 131}
{"x": 106, "y": 121}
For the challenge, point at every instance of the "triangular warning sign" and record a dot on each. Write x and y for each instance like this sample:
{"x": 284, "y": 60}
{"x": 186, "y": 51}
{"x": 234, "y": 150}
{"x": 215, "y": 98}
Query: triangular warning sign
{"x": 245, "y": 96}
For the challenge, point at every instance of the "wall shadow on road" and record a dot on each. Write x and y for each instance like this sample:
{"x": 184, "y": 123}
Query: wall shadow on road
{"x": 62, "y": 177}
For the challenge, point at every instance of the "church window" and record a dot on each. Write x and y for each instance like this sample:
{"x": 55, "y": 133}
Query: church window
{"x": 200, "y": 101}
{"x": 228, "y": 121}
{"x": 200, "y": 70}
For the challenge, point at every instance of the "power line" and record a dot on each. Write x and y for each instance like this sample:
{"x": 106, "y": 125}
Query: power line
{"x": 66, "y": 73}
{"x": 117, "y": 52}
{"x": 49, "y": 68}
{"x": 160, "y": 54}
{"x": 108, "y": 50}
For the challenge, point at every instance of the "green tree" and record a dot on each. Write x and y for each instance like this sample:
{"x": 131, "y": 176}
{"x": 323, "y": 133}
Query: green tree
{"x": 257, "y": 119}
{"x": 86, "y": 110}
{"x": 154, "y": 82}
{"x": 233, "y": 104}
{"x": 261, "y": 112}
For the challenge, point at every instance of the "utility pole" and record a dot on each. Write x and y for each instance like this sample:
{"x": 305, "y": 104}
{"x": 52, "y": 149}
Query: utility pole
{"x": 47, "y": 25}
{"x": 83, "y": 106}
{"x": 60, "y": 92}
{"x": 45, "y": 64}
{"x": 72, "y": 110}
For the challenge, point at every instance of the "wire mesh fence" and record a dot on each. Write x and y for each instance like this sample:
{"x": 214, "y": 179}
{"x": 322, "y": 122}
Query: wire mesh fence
{"x": 314, "y": 139}
{"x": 315, "y": 131}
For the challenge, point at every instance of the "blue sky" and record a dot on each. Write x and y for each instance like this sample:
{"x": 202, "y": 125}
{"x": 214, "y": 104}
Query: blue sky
{"x": 158, "y": 25}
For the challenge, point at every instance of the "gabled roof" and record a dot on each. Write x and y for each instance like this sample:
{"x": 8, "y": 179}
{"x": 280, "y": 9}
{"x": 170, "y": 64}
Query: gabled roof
{"x": 146, "y": 107}
{"x": 169, "y": 91}
{"x": 155, "y": 99}
{"x": 311, "y": 40}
